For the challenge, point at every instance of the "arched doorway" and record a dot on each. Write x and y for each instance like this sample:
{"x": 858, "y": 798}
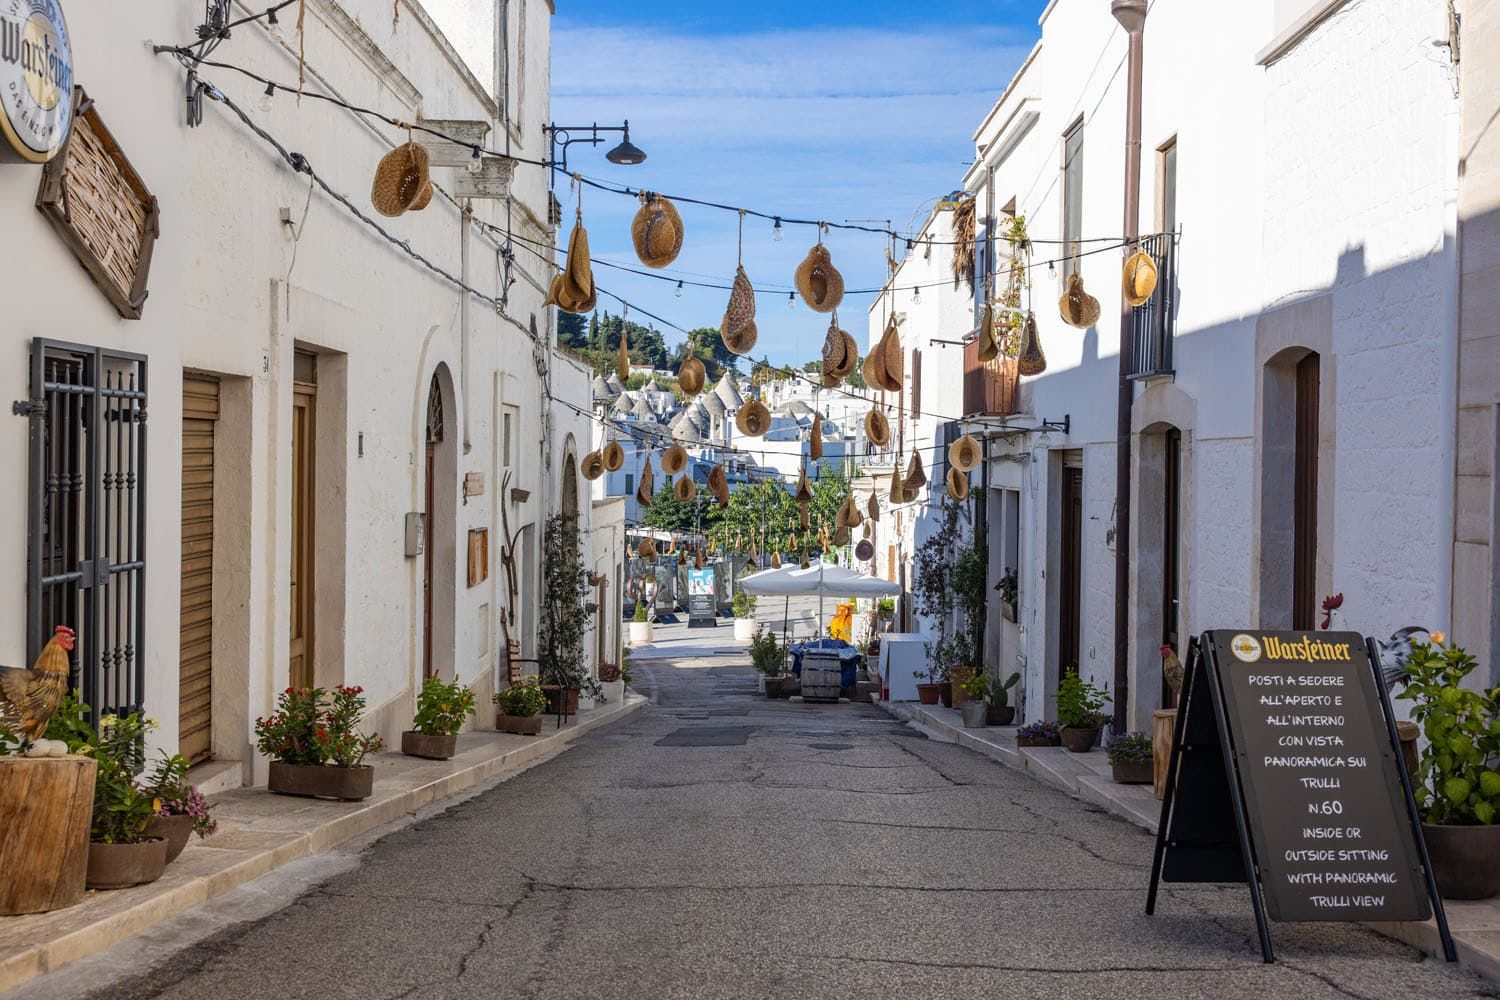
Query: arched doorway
{"x": 439, "y": 552}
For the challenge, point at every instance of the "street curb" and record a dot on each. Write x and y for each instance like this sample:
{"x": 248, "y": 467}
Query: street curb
{"x": 156, "y": 905}
{"x": 1480, "y": 955}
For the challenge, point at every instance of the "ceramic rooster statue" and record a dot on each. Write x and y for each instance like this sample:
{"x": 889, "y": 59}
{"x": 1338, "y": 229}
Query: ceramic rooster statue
{"x": 28, "y": 698}
{"x": 1171, "y": 668}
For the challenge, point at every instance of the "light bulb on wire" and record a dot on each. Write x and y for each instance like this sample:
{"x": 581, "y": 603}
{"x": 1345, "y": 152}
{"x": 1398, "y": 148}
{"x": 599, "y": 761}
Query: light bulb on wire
{"x": 791, "y": 300}
{"x": 776, "y": 232}
{"x": 678, "y": 293}
{"x": 274, "y": 26}
{"x": 916, "y": 295}
{"x": 475, "y": 164}
{"x": 265, "y": 99}
{"x": 1051, "y": 268}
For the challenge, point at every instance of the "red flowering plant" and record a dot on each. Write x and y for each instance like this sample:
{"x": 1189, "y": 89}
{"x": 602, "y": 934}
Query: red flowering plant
{"x": 290, "y": 733}
{"x": 312, "y": 726}
{"x": 347, "y": 746}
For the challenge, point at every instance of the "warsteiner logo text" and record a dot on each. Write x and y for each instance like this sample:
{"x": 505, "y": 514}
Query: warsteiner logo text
{"x": 1307, "y": 649}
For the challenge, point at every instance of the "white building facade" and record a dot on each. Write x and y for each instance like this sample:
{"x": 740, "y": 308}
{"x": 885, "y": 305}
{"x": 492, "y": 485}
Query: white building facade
{"x": 348, "y": 460}
{"x": 1295, "y": 374}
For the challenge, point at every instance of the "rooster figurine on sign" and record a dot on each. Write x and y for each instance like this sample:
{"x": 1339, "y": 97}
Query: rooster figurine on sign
{"x": 29, "y": 698}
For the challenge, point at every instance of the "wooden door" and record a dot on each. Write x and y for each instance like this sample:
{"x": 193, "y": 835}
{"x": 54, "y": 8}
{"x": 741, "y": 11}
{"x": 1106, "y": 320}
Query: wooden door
{"x": 1305, "y": 498}
{"x": 1171, "y": 551}
{"x": 304, "y": 431}
{"x": 427, "y": 562}
{"x": 1070, "y": 583}
{"x": 200, "y": 412}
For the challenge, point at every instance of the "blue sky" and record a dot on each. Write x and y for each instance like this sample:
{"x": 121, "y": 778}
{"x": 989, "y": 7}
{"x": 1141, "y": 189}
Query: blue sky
{"x": 838, "y": 110}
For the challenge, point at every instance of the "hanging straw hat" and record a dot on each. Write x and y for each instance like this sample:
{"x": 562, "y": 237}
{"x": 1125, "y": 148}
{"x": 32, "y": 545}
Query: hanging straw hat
{"x": 805, "y": 561}
{"x": 573, "y": 288}
{"x": 818, "y": 281}
{"x": 864, "y": 551}
{"x": 877, "y": 428}
{"x": 958, "y": 484}
{"x": 691, "y": 376}
{"x": 656, "y": 231}
{"x": 622, "y": 359}
{"x": 892, "y": 357}
{"x": 424, "y": 198}
{"x": 592, "y": 465}
{"x": 1139, "y": 278}
{"x": 647, "y": 549}
{"x": 685, "y": 489}
{"x": 753, "y": 419}
{"x": 802, "y": 517}
{"x": 647, "y": 488}
{"x": 897, "y": 492}
{"x": 841, "y": 536}
{"x": 873, "y": 372}
{"x": 1030, "y": 360}
{"x": 964, "y": 453}
{"x": 804, "y": 491}
{"x": 614, "y": 457}
{"x": 915, "y": 476}
{"x": 989, "y": 347}
{"x": 671, "y": 548}
{"x": 873, "y": 508}
{"x": 1078, "y": 307}
{"x": 674, "y": 460}
{"x": 775, "y": 560}
{"x": 400, "y": 179}
{"x": 815, "y": 443}
{"x": 737, "y": 328}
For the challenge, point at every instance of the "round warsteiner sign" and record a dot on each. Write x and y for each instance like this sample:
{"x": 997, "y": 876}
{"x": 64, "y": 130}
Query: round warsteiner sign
{"x": 36, "y": 79}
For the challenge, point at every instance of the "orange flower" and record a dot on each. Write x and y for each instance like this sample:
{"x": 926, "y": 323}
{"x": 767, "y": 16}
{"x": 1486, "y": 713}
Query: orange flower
{"x": 1437, "y": 638}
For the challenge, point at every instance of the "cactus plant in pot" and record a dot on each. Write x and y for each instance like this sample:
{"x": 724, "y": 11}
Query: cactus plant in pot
{"x": 1001, "y": 711}
{"x": 1457, "y": 785}
{"x": 1130, "y": 759}
{"x": 1078, "y": 704}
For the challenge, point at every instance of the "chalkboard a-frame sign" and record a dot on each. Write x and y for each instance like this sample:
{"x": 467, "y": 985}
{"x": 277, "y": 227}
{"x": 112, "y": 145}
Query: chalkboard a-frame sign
{"x": 1286, "y": 774}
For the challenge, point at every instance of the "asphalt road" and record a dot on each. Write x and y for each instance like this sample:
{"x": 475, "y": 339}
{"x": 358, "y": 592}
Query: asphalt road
{"x": 719, "y": 845}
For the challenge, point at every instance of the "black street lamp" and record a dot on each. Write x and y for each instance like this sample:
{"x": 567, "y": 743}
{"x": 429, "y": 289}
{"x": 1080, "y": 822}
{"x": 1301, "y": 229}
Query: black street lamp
{"x": 625, "y": 154}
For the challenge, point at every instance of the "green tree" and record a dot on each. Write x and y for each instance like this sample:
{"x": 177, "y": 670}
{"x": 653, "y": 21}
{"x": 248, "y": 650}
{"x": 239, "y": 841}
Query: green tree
{"x": 572, "y": 330}
{"x": 667, "y": 513}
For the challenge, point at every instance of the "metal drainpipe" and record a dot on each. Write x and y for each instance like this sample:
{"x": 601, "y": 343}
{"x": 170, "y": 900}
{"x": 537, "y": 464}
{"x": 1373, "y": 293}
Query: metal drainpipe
{"x": 1132, "y": 17}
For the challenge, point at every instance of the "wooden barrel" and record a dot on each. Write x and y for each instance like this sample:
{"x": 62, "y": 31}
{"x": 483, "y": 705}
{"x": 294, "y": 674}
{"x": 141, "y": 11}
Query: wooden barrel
{"x": 1163, "y": 729}
{"x": 821, "y": 677}
{"x": 48, "y": 805}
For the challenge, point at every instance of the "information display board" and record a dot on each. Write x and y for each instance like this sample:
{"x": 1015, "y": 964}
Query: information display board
{"x": 702, "y": 607}
{"x": 1286, "y": 746}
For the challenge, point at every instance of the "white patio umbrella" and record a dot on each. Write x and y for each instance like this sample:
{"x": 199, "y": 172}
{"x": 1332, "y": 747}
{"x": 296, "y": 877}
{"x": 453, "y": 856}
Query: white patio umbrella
{"x": 822, "y": 579}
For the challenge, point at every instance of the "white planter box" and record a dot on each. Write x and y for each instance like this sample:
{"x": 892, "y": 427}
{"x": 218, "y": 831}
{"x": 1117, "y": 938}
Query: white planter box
{"x": 614, "y": 692}
{"x": 640, "y": 633}
{"x": 760, "y": 683}
{"x": 585, "y": 703}
{"x": 744, "y": 629}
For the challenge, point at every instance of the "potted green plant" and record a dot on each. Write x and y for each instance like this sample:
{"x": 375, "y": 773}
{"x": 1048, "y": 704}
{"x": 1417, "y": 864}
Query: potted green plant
{"x": 1130, "y": 758}
{"x": 519, "y": 708}
{"x": 640, "y": 625}
{"x": 927, "y": 691}
{"x": 769, "y": 659}
{"x": 976, "y": 710}
{"x": 315, "y": 746}
{"x": 1078, "y": 704}
{"x": 122, "y": 852}
{"x": 1038, "y": 734}
{"x": 1001, "y": 711}
{"x": 566, "y": 613}
{"x": 744, "y": 616}
{"x": 1457, "y": 784}
{"x": 184, "y": 811}
{"x": 885, "y": 612}
{"x": 442, "y": 709}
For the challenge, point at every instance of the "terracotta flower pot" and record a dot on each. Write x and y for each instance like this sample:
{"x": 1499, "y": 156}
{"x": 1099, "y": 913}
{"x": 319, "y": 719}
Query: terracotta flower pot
{"x": 945, "y": 693}
{"x": 927, "y": 694}
{"x": 176, "y": 829}
{"x": 1002, "y": 715}
{"x": 1465, "y": 860}
{"x": 119, "y": 866}
{"x": 1079, "y": 739}
{"x": 554, "y": 699}
{"x": 520, "y": 725}
{"x": 435, "y": 747}
{"x": 1135, "y": 772}
{"x": 322, "y": 781}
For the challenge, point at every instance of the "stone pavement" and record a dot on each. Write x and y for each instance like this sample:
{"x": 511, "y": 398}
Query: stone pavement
{"x": 259, "y": 832}
{"x": 1475, "y": 925}
{"x": 719, "y": 845}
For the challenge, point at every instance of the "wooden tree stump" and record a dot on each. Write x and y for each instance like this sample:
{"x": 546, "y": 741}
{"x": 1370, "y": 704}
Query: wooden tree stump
{"x": 47, "y": 805}
{"x": 1163, "y": 730}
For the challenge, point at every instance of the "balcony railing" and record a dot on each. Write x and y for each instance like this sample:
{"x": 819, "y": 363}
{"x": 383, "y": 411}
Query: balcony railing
{"x": 1155, "y": 322}
{"x": 989, "y": 386}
